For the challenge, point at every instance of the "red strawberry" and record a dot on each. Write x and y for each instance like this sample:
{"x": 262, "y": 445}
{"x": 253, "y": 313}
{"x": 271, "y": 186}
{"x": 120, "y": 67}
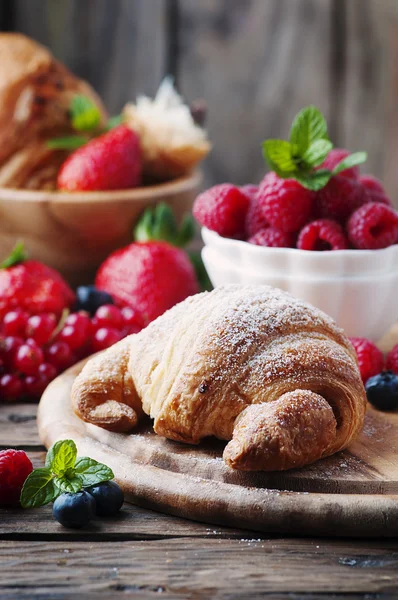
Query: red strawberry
{"x": 32, "y": 286}
{"x": 110, "y": 162}
{"x": 150, "y": 277}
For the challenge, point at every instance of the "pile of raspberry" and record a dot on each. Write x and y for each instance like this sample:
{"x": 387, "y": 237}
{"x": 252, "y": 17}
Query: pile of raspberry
{"x": 351, "y": 211}
{"x": 34, "y": 349}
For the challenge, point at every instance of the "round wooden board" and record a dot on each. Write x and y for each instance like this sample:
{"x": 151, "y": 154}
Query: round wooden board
{"x": 354, "y": 493}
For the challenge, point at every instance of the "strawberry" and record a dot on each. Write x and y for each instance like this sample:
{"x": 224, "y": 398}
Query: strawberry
{"x": 111, "y": 161}
{"x": 151, "y": 275}
{"x": 32, "y": 286}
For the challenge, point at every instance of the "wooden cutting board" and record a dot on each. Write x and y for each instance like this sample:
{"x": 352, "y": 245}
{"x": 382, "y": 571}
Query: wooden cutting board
{"x": 354, "y": 493}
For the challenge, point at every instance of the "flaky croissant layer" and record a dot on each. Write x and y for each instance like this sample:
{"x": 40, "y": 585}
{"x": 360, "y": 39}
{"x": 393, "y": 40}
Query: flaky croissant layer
{"x": 248, "y": 364}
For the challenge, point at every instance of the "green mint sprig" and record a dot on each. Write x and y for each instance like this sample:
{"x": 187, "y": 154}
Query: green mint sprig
{"x": 307, "y": 148}
{"x": 85, "y": 118}
{"x": 63, "y": 472}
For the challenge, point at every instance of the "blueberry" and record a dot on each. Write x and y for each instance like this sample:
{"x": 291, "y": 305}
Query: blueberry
{"x": 382, "y": 391}
{"x": 108, "y": 498}
{"x": 88, "y": 298}
{"x": 74, "y": 510}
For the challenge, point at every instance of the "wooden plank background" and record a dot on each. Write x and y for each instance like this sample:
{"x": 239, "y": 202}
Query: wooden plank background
{"x": 256, "y": 62}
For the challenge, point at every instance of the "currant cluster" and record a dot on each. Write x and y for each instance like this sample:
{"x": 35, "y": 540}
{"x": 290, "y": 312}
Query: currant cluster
{"x": 34, "y": 349}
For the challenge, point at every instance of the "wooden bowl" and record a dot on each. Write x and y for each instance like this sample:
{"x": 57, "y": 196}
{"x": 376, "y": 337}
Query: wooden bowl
{"x": 74, "y": 233}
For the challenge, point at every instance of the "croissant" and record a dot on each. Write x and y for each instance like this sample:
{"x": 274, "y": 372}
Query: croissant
{"x": 252, "y": 365}
{"x": 35, "y": 97}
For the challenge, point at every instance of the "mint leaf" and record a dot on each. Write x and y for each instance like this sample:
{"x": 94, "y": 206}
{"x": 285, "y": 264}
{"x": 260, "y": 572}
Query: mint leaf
{"x": 70, "y": 482}
{"x": 314, "y": 180}
{"x": 39, "y": 489}
{"x": 70, "y": 142}
{"x": 317, "y": 152}
{"x": 84, "y": 114}
{"x": 186, "y": 232}
{"x": 278, "y": 154}
{"x": 18, "y": 255}
{"x": 61, "y": 457}
{"x": 91, "y": 472}
{"x": 308, "y": 126}
{"x": 352, "y": 160}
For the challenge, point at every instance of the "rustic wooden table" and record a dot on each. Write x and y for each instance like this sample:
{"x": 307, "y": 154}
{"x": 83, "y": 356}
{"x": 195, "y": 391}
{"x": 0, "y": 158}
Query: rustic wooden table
{"x": 143, "y": 554}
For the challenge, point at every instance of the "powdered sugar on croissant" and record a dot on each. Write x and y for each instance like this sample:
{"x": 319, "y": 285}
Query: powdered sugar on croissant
{"x": 248, "y": 364}
{"x": 172, "y": 144}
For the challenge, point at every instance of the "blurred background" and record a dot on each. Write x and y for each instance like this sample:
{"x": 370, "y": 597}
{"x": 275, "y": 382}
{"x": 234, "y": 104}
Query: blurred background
{"x": 255, "y": 62}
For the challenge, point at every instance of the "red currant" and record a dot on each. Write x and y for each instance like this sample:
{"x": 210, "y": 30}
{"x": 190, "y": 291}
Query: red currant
{"x": 109, "y": 316}
{"x": 41, "y": 327}
{"x": 10, "y": 387}
{"x": 59, "y": 355}
{"x": 34, "y": 385}
{"x": 104, "y": 338}
{"x": 80, "y": 320}
{"x": 8, "y": 349}
{"x": 14, "y": 322}
{"x": 28, "y": 358}
{"x": 48, "y": 371}
{"x": 133, "y": 320}
{"x": 73, "y": 336}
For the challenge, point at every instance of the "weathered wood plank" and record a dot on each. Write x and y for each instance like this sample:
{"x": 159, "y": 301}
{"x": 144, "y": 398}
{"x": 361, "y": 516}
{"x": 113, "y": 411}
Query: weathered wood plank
{"x": 365, "y": 72}
{"x": 256, "y": 63}
{"x": 18, "y": 426}
{"x": 186, "y": 569}
{"x": 118, "y": 46}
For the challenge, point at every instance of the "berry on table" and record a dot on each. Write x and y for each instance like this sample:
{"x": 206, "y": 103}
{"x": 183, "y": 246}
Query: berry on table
{"x": 104, "y": 338}
{"x": 40, "y": 328}
{"x": 370, "y": 358}
{"x": 48, "y": 371}
{"x": 382, "y": 391}
{"x": 74, "y": 510}
{"x": 15, "y": 466}
{"x": 73, "y": 335}
{"x": 339, "y": 198}
{"x": 285, "y": 204}
{"x": 11, "y": 387}
{"x": 8, "y": 349}
{"x": 28, "y": 358}
{"x": 108, "y": 496}
{"x": 335, "y": 156}
{"x": 89, "y": 299}
{"x": 373, "y": 226}
{"x": 34, "y": 386}
{"x": 273, "y": 238}
{"x": 321, "y": 235}
{"x": 222, "y": 208}
{"x": 14, "y": 322}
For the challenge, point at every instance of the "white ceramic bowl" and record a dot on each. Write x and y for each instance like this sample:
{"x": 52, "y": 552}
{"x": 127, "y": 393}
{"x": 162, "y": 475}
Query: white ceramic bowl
{"x": 357, "y": 288}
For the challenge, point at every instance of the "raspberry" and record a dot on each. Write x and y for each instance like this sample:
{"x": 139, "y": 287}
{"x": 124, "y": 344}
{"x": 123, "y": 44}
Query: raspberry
{"x": 370, "y": 358}
{"x": 255, "y": 219}
{"x": 335, "y": 157}
{"x": 15, "y": 466}
{"x": 223, "y": 209}
{"x": 392, "y": 360}
{"x": 250, "y": 190}
{"x": 374, "y": 189}
{"x": 373, "y": 226}
{"x": 284, "y": 202}
{"x": 339, "y": 198}
{"x": 272, "y": 237}
{"x": 323, "y": 234}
